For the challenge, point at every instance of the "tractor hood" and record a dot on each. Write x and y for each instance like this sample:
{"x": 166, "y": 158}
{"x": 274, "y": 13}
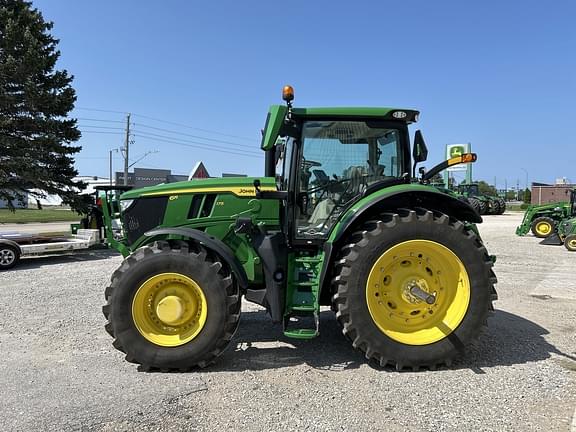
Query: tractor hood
{"x": 239, "y": 186}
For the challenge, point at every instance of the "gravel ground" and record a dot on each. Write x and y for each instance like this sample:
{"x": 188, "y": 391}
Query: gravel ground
{"x": 59, "y": 370}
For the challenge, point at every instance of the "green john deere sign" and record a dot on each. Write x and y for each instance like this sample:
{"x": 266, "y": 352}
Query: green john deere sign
{"x": 455, "y": 150}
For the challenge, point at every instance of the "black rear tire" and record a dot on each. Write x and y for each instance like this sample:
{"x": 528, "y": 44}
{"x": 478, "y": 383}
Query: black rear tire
{"x": 502, "y": 205}
{"x": 475, "y": 204}
{"x": 193, "y": 261}
{"x": 495, "y": 206}
{"x": 353, "y": 270}
{"x": 9, "y": 256}
{"x": 483, "y": 207}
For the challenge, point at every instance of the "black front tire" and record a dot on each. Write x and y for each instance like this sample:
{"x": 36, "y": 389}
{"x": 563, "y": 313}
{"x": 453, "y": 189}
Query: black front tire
{"x": 191, "y": 260}
{"x": 352, "y": 272}
{"x": 9, "y": 256}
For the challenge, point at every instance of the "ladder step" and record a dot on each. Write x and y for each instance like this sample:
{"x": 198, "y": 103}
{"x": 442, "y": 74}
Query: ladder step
{"x": 301, "y": 333}
{"x": 305, "y": 308}
{"x": 305, "y": 284}
{"x": 307, "y": 260}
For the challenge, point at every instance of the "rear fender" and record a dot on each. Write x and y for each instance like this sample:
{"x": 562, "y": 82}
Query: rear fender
{"x": 11, "y": 243}
{"x": 393, "y": 198}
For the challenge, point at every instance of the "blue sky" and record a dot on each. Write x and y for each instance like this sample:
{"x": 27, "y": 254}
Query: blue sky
{"x": 501, "y": 75}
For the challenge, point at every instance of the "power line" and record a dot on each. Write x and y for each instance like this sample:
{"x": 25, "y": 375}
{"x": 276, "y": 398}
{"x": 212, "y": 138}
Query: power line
{"x": 100, "y": 110}
{"x": 209, "y": 145}
{"x": 101, "y": 132}
{"x": 193, "y": 136}
{"x": 99, "y": 127}
{"x": 100, "y": 120}
{"x": 212, "y": 148}
{"x": 194, "y": 128}
{"x": 165, "y": 121}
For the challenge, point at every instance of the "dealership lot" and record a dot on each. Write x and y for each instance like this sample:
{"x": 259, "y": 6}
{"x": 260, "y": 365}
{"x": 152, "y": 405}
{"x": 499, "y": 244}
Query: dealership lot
{"x": 60, "y": 371}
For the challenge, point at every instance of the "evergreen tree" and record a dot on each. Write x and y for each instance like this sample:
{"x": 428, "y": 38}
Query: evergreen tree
{"x": 36, "y": 136}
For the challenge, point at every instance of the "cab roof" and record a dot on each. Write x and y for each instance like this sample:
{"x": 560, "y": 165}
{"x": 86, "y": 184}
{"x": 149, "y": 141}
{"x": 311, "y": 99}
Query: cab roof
{"x": 277, "y": 113}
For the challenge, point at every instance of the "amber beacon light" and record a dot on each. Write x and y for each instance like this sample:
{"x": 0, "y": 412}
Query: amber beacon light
{"x": 288, "y": 93}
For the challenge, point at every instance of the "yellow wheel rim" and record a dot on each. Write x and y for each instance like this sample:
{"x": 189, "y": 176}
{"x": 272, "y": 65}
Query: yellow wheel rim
{"x": 169, "y": 309}
{"x": 543, "y": 228}
{"x": 403, "y": 278}
{"x": 572, "y": 244}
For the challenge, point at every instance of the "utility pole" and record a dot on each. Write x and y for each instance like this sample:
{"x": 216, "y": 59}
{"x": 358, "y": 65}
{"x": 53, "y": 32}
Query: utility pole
{"x": 112, "y": 150}
{"x": 126, "y": 147}
{"x": 110, "y": 167}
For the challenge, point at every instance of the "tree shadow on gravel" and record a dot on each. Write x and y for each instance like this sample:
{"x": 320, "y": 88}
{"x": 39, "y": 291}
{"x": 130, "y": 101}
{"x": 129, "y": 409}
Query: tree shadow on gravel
{"x": 508, "y": 340}
{"x": 74, "y": 257}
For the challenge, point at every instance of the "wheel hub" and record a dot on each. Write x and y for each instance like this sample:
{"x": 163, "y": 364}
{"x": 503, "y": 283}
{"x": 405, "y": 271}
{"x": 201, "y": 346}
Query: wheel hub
{"x": 543, "y": 228}
{"x": 417, "y": 292}
{"x": 170, "y": 309}
{"x": 6, "y": 257}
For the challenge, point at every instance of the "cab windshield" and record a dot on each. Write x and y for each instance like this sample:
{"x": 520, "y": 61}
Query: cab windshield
{"x": 340, "y": 159}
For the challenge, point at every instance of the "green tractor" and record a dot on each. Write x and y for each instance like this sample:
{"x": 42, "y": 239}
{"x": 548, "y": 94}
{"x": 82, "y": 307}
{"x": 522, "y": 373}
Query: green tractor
{"x": 567, "y": 233}
{"x": 543, "y": 219}
{"x": 485, "y": 204}
{"x": 340, "y": 219}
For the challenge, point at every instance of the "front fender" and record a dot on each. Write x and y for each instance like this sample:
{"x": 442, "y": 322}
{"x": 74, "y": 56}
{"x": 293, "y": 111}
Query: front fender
{"x": 214, "y": 244}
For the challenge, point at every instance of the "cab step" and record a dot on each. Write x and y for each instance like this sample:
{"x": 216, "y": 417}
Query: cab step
{"x": 302, "y": 299}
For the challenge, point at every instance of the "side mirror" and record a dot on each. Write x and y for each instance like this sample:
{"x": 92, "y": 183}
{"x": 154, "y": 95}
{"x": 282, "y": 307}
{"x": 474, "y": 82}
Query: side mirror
{"x": 420, "y": 151}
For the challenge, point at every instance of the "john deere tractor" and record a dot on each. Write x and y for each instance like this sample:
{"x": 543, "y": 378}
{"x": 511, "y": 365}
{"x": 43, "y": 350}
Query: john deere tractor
{"x": 543, "y": 219}
{"x": 485, "y": 204}
{"x": 564, "y": 230}
{"x": 339, "y": 219}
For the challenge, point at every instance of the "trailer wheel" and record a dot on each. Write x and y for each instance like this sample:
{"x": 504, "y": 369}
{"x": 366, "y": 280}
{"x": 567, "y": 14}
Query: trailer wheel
{"x": 172, "y": 308}
{"x": 9, "y": 256}
{"x": 570, "y": 242}
{"x": 413, "y": 289}
{"x": 542, "y": 226}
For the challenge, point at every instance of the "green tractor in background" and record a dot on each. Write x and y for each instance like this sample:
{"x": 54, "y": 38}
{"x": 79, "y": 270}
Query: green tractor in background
{"x": 340, "y": 219}
{"x": 567, "y": 233}
{"x": 543, "y": 219}
{"x": 485, "y": 204}
{"x": 473, "y": 202}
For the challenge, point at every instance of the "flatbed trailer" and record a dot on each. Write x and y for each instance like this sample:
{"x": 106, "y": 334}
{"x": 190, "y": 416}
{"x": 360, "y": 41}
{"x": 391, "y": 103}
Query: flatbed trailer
{"x": 15, "y": 245}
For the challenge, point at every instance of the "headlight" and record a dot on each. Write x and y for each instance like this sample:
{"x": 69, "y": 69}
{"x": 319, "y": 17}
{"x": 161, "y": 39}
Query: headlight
{"x": 125, "y": 205}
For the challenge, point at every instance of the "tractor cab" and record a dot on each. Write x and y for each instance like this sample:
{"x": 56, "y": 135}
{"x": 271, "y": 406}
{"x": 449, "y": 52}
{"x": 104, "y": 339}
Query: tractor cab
{"x": 330, "y": 163}
{"x": 326, "y": 159}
